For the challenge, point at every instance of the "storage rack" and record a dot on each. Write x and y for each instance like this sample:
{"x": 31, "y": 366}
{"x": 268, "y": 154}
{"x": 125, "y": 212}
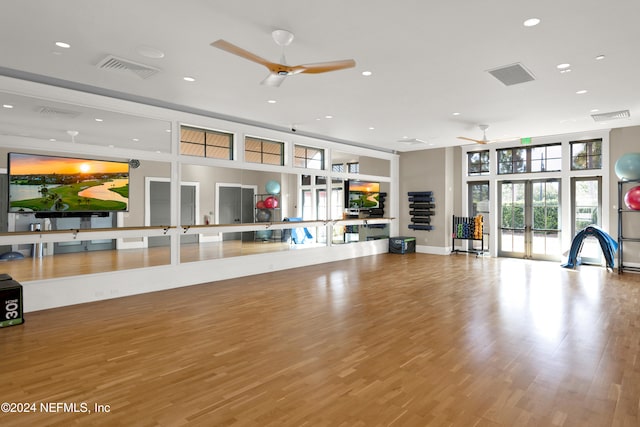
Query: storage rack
{"x": 468, "y": 228}
{"x": 421, "y": 205}
{"x": 621, "y": 237}
{"x": 274, "y": 216}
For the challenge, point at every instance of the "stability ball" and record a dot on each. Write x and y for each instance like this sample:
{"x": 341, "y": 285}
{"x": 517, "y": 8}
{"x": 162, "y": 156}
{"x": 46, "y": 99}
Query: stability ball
{"x": 263, "y": 234}
{"x": 263, "y": 215}
{"x": 628, "y": 166}
{"x": 260, "y": 204}
{"x": 632, "y": 198}
{"x": 270, "y": 202}
{"x": 273, "y": 187}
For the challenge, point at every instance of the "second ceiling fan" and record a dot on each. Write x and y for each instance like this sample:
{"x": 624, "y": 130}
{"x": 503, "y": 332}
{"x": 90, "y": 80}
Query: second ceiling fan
{"x": 278, "y": 72}
{"x": 484, "y": 139}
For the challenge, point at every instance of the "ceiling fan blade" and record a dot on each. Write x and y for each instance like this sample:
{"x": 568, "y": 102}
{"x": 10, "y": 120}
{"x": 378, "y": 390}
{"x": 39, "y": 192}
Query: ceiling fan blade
{"x": 323, "y": 67}
{"x": 274, "y": 80}
{"x": 477, "y": 141}
{"x": 231, "y": 48}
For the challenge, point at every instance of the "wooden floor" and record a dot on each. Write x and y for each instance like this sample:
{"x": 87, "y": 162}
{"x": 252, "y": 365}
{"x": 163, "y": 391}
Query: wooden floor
{"x": 386, "y": 340}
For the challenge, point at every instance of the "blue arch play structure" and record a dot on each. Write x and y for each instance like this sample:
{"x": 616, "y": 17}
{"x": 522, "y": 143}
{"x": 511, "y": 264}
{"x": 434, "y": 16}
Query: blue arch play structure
{"x": 607, "y": 243}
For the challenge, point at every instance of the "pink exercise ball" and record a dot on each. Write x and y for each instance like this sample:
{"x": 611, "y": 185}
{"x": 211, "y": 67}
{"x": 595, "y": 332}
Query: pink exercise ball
{"x": 632, "y": 198}
{"x": 260, "y": 204}
{"x": 270, "y": 202}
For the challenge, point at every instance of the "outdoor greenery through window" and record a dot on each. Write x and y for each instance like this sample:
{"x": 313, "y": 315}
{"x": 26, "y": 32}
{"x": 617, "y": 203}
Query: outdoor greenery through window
{"x": 206, "y": 143}
{"x": 308, "y": 157}
{"x": 478, "y": 163}
{"x": 539, "y": 158}
{"x": 586, "y": 154}
{"x": 257, "y": 150}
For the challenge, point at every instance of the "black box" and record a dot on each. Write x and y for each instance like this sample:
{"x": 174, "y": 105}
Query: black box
{"x": 402, "y": 245}
{"x": 10, "y": 302}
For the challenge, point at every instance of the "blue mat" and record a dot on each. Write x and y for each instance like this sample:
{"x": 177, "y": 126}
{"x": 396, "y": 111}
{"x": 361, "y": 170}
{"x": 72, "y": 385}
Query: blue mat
{"x": 607, "y": 243}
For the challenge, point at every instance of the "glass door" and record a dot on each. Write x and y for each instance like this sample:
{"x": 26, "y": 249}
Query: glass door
{"x": 530, "y": 219}
{"x": 586, "y": 209}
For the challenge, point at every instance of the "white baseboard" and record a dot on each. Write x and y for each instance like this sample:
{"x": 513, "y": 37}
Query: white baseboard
{"x": 433, "y": 250}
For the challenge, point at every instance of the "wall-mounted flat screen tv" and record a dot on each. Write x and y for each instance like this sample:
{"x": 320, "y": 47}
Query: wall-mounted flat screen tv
{"x": 66, "y": 185}
{"x": 362, "y": 194}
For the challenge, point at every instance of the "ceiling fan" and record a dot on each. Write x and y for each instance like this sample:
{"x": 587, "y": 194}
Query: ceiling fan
{"x": 278, "y": 72}
{"x": 484, "y": 139}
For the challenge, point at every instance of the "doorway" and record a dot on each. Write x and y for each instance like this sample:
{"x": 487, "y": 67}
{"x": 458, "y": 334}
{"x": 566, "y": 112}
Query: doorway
{"x": 235, "y": 205}
{"x": 586, "y": 209}
{"x": 160, "y": 209}
{"x": 529, "y": 219}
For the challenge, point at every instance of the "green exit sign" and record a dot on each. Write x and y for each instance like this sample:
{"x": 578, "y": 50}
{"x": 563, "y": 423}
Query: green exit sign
{"x": 525, "y": 141}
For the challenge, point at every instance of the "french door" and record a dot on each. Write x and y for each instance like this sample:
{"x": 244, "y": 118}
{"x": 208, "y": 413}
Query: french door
{"x": 529, "y": 220}
{"x": 586, "y": 207}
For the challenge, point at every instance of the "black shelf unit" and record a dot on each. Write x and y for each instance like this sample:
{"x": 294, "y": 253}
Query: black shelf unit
{"x": 622, "y": 210}
{"x": 421, "y": 209}
{"x": 468, "y": 228}
{"x": 274, "y": 216}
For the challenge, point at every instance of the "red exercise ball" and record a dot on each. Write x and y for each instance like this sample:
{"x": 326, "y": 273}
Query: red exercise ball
{"x": 632, "y": 198}
{"x": 270, "y": 202}
{"x": 260, "y": 204}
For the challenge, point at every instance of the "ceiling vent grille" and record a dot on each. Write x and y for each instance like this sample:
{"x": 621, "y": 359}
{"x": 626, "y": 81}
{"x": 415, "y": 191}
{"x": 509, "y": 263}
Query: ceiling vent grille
{"x": 513, "y": 74}
{"x": 614, "y": 115}
{"x": 111, "y": 62}
{"x": 56, "y": 112}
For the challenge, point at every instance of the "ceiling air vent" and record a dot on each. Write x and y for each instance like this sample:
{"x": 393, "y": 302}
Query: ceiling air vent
{"x": 512, "y": 74}
{"x": 56, "y": 112}
{"x": 614, "y": 115}
{"x": 114, "y": 63}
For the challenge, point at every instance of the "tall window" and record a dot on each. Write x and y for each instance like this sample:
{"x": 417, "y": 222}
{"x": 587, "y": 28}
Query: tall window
{"x": 206, "y": 143}
{"x": 308, "y": 157}
{"x": 478, "y": 163}
{"x": 537, "y": 158}
{"x": 586, "y": 154}
{"x": 353, "y": 167}
{"x": 257, "y": 150}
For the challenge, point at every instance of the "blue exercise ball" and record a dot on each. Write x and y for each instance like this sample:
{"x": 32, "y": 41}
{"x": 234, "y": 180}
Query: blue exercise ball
{"x": 273, "y": 187}
{"x": 263, "y": 234}
{"x": 628, "y": 166}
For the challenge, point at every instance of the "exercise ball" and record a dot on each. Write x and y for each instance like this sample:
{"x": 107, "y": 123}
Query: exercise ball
{"x": 260, "y": 204}
{"x": 628, "y": 166}
{"x": 273, "y": 187}
{"x": 632, "y": 198}
{"x": 263, "y": 234}
{"x": 270, "y": 202}
{"x": 263, "y": 215}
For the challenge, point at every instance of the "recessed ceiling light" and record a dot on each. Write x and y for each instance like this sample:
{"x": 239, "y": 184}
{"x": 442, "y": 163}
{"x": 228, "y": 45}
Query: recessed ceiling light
{"x": 7, "y": 106}
{"x": 52, "y": 139}
{"x": 566, "y": 70}
{"x": 456, "y": 114}
{"x": 600, "y": 57}
{"x": 531, "y": 22}
{"x": 63, "y": 45}
{"x": 99, "y": 120}
{"x": 318, "y": 119}
{"x": 167, "y": 130}
{"x": 563, "y": 66}
{"x": 595, "y": 110}
{"x": 366, "y": 73}
{"x": 150, "y": 52}
{"x": 580, "y": 92}
{"x": 111, "y": 146}
{"x": 328, "y": 117}
{"x": 135, "y": 139}
{"x": 371, "y": 128}
{"x": 189, "y": 79}
{"x": 272, "y": 101}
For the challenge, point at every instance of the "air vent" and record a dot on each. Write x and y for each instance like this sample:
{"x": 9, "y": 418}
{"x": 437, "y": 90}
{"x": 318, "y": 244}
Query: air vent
{"x": 114, "y": 63}
{"x": 513, "y": 74}
{"x": 614, "y": 115}
{"x": 56, "y": 112}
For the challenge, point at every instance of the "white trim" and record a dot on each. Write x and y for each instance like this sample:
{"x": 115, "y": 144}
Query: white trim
{"x": 433, "y": 250}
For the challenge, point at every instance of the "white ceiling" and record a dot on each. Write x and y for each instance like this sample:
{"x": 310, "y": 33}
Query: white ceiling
{"x": 429, "y": 59}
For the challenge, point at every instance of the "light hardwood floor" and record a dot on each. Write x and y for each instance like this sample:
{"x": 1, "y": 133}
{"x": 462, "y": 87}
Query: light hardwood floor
{"x": 386, "y": 340}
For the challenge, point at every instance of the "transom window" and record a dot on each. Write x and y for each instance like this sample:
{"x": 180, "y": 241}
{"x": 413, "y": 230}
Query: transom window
{"x": 257, "y": 150}
{"x": 478, "y": 163}
{"x": 538, "y": 158}
{"x": 586, "y": 154}
{"x": 206, "y": 143}
{"x": 308, "y": 157}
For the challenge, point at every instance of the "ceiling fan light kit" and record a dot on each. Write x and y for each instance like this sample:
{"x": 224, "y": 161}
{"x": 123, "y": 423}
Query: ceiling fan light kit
{"x": 279, "y": 71}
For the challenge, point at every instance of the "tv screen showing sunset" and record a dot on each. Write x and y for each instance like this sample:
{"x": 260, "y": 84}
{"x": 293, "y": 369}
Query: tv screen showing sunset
{"x": 39, "y": 183}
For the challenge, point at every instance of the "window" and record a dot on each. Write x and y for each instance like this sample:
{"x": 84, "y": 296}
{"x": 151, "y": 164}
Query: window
{"x": 258, "y": 150}
{"x": 586, "y": 154}
{"x": 353, "y": 167}
{"x": 337, "y": 167}
{"x": 308, "y": 157}
{"x": 539, "y": 158}
{"x": 206, "y": 143}
{"x": 478, "y": 163}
